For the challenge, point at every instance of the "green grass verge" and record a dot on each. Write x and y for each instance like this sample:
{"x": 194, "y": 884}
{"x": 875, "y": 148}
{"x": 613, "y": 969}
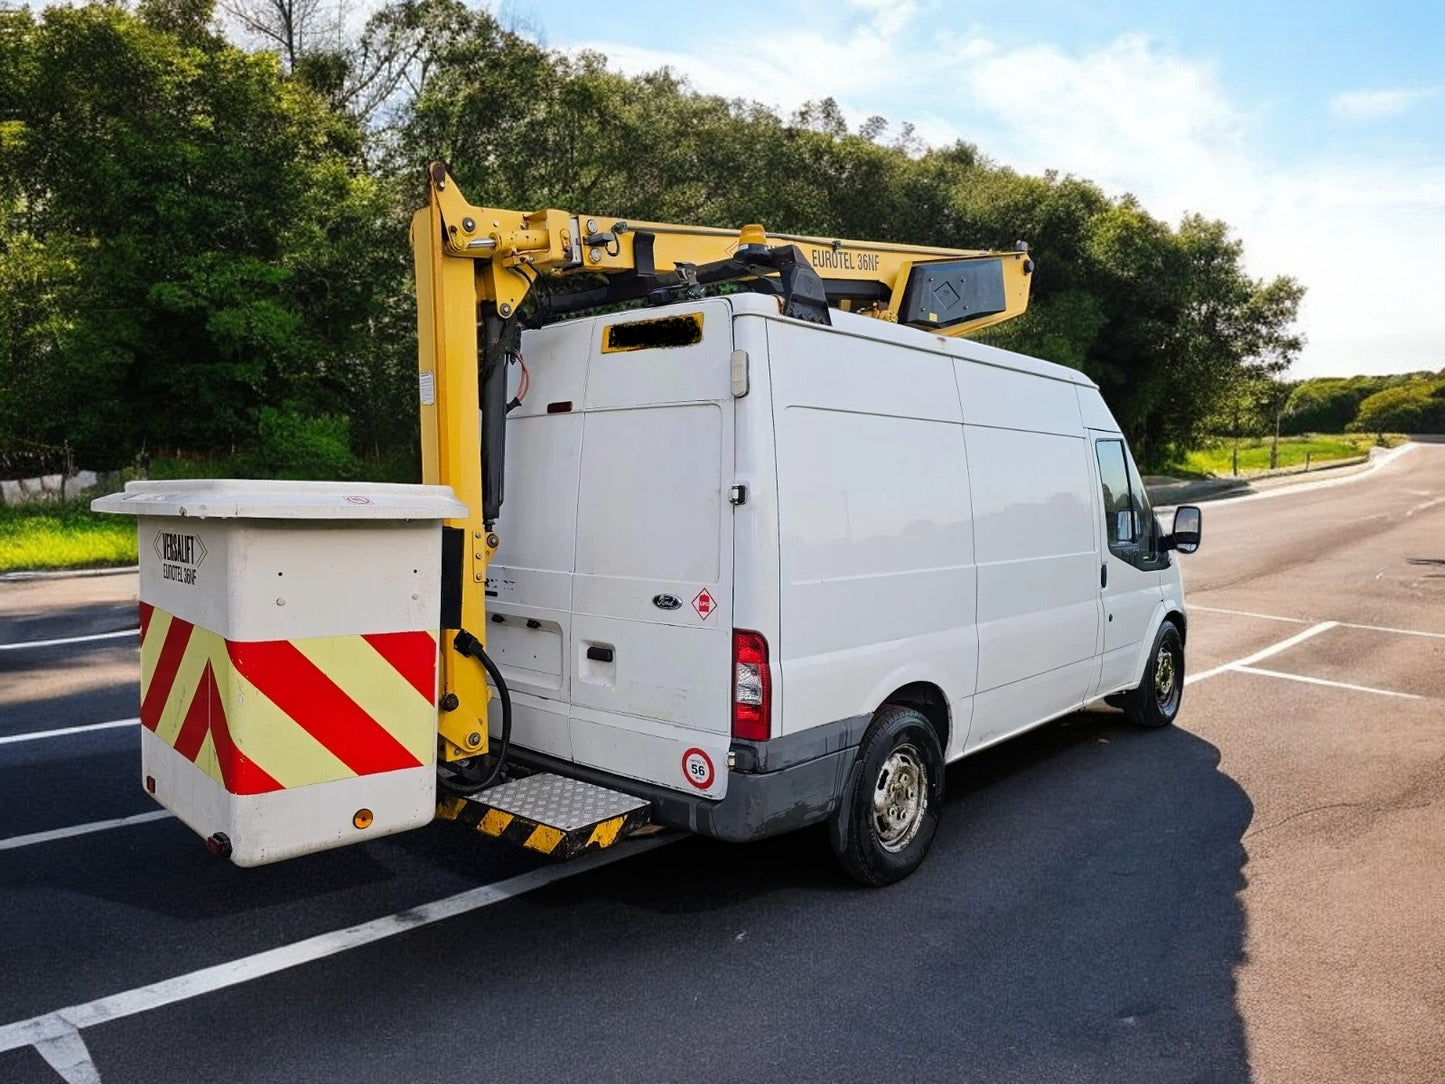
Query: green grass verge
{"x": 51, "y": 535}
{"x": 1218, "y": 458}
{"x": 44, "y": 535}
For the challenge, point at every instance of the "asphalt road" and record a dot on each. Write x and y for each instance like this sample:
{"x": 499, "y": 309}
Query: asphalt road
{"x": 1255, "y": 894}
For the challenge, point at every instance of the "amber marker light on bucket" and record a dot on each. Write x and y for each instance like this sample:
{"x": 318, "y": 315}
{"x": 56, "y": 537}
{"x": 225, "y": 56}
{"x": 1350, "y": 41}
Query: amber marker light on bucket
{"x": 362, "y": 818}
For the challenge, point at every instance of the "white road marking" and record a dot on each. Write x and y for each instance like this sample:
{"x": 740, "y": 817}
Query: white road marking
{"x": 1322, "y": 681}
{"x": 1398, "y": 632}
{"x": 15, "y": 842}
{"x": 1424, "y": 505}
{"x": 1305, "y": 621}
{"x": 1247, "y": 613}
{"x": 67, "y": 1055}
{"x": 48, "y": 1027}
{"x": 40, "y": 735}
{"x": 1260, "y": 656}
{"x": 69, "y": 640}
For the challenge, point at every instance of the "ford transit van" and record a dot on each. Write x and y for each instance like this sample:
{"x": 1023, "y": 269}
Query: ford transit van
{"x": 767, "y": 573}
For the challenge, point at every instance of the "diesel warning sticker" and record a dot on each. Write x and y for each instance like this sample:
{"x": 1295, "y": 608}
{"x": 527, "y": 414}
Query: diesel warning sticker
{"x": 180, "y": 556}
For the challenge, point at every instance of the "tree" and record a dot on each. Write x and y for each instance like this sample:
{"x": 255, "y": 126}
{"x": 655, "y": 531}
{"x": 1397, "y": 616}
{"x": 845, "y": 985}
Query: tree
{"x": 1274, "y": 398}
{"x": 1166, "y": 321}
{"x": 1417, "y": 407}
{"x": 293, "y": 29}
{"x": 1329, "y": 405}
{"x": 216, "y": 237}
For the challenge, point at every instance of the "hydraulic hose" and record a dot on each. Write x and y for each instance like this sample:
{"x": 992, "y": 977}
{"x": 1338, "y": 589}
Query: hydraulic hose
{"x": 464, "y": 643}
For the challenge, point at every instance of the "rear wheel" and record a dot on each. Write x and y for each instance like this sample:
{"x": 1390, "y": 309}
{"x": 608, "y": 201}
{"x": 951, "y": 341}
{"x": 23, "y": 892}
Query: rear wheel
{"x": 1156, "y": 701}
{"x": 885, "y": 825}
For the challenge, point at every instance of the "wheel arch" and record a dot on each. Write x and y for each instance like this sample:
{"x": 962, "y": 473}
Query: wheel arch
{"x": 1167, "y": 610}
{"x": 928, "y": 700}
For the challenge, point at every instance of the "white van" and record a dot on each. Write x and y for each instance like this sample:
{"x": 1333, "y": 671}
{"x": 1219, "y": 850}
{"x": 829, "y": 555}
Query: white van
{"x": 766, "y": 573}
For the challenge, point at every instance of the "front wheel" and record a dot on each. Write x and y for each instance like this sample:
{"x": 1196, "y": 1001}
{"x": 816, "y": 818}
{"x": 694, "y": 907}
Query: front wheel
{"x": 885, "y": 825}
{"x": 1156, "y": 701}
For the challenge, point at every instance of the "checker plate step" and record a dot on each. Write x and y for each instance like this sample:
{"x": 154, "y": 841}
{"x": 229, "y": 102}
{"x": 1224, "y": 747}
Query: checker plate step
{"x": 550, "y": 814}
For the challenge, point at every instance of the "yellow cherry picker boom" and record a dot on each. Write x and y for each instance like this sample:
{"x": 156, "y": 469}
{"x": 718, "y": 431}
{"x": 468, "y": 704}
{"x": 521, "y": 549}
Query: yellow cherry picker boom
{"x": 314, "y": 665}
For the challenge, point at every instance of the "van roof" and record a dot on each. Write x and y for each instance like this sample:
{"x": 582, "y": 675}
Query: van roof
{"x": 867, "y": 327}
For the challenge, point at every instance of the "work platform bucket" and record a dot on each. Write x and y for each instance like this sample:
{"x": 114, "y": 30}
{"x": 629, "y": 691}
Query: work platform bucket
{"x": 289, "y": 658}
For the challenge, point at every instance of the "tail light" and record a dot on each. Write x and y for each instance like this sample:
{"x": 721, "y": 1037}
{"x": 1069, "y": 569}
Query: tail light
{"x": 752, "y": 687}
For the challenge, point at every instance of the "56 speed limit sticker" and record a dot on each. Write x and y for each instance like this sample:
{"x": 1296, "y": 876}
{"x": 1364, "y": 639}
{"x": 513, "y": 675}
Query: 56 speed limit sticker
{"x": 697, "y": 767}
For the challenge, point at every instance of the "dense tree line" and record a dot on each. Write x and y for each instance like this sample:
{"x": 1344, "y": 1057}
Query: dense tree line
{"x": 1407, "y": 403}
{"x": 204, "y": 247}
{"x": 1267, "y": 405}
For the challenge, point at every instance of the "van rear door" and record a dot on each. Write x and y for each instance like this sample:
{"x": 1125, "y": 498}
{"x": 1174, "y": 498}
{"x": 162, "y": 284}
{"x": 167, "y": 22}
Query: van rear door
{"x": 612, "y": 589}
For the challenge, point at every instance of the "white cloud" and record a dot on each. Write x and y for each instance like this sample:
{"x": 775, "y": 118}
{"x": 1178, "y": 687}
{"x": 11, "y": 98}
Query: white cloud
{"x": 1129, "y": 116}
{"x": 1366, "y": 237}
{"x": 1361, "y": 106}
{"x": 889, "y": 16}
{"x": 784, "y": 68}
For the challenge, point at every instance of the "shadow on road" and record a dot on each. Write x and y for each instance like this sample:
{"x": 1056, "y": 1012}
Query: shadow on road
{"x": 1077, "y": 919}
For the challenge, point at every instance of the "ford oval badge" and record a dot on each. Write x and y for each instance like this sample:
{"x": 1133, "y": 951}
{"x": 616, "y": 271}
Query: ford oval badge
{"x": 667, "y": 602}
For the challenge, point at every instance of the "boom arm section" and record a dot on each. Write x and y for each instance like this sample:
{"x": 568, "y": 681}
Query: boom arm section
{"x": 947, "y": 291}
{"x": 475, "y": 266}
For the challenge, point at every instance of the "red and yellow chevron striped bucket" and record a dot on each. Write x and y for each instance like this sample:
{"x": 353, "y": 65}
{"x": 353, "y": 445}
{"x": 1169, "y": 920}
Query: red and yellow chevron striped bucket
{"x": 267, "y": 715}
{"x": 289, "y": 662}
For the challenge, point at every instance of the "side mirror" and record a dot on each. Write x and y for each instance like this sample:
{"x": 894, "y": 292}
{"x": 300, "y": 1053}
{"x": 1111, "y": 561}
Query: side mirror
{"x": 1188, "y": 525}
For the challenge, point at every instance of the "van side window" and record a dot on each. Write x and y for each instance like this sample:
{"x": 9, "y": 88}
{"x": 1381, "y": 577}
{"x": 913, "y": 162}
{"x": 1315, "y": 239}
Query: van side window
{"x": 1121, "y": 518}
{"x": 1128, "y": 518}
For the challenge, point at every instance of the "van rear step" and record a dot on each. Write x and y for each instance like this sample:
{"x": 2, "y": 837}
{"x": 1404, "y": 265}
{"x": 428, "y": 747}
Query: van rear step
{"x": 550, "y": 814}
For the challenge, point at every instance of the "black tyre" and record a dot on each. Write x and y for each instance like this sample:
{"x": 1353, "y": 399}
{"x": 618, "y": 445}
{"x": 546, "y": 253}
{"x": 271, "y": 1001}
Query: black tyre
{"x": 1156, "y": 701}
{"x": 886, "y": 821}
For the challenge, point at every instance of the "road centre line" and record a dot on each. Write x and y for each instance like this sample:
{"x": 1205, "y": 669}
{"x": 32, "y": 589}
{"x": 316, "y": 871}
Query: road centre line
{"x": 63, "y": 1024}
{"x": 1260, "y": 656}
{"x": 69, "y": 640}
{"x": 16, "y": 842}
{"x": 1323, "y": 681}
{"x": 40, "y": 735}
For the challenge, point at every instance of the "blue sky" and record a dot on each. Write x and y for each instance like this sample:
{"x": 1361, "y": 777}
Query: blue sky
{"x": 1316, "y": 130}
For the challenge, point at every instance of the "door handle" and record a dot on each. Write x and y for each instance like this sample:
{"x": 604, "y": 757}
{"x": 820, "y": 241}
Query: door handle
{"x": 1103, "y": 576}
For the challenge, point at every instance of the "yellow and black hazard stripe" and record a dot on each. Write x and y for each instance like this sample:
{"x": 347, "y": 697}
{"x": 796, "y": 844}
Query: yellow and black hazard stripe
{"x": 535, "y": 836}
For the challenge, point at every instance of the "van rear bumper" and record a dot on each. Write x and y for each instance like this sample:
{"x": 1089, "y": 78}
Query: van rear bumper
{"x": 803, "y": 783}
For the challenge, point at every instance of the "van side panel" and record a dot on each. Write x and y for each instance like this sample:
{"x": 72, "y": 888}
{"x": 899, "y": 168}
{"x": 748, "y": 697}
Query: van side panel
{"x": 1033, "y": 509}
{"x": 1009, "y": 399}
{"x": 877, "y": 584}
